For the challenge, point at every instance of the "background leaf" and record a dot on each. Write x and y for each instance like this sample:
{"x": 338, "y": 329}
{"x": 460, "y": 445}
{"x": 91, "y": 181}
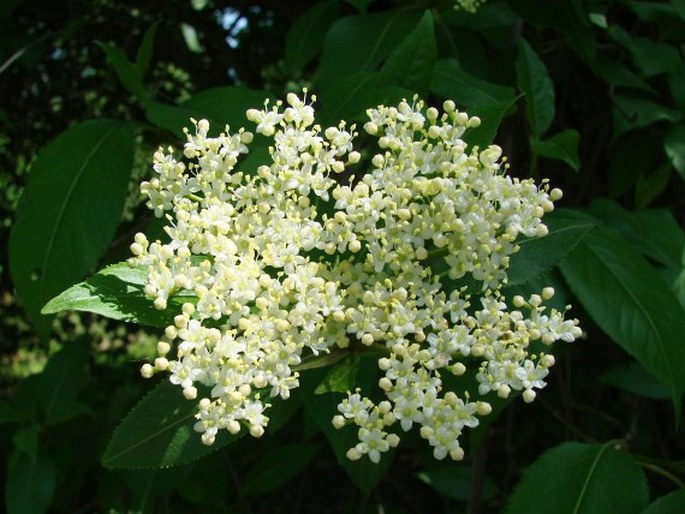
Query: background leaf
{"x": 673, "y": 503}
{"x": 221, "y": 106}
{"x": 278, "y": 466}
{"x": 306, "y": 37}
{"x": 533, "y": 80}
{"x": 411, "y": 64}
{"x": 562, "y": 146}
{"x": 575, "y": 478}
{"x": 30, "y": 485}
{"x": 631, "y": 303}
{"x": 451, "y": 81}
{"x": 158, "y": 433}
{"x": 538, "y": 254}
{"x": 361, "y": 42}
{"x": 69, "y": 211}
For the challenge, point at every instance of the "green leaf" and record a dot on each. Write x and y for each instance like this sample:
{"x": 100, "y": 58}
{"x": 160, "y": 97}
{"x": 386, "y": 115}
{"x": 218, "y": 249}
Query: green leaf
{"x": 491, "y": 116}
{"x": 632, "y": 304}
{"x": 631, "y": 113}
{"x": 144, "y": 53}
{"x": 360, "y": 5}
{"x": 453, "y": 480}
{"x": 341, "y": 377}
{"x": 30, "y": 485}
{"x": 277, "y": 467}
{"x": 562, "y": 146}
{"x": 115, "y": 292}
{"x": 158, "y": 433}
{"x": 533, "y": 80}
{"x": 634, "y": 379}
{"x": 451, "y": 81}
{"x": 674, "y": 145}
{"x": 538, "y": 254}
{"x": 655, "y": 232}
{"x": 581, "y": 478}
{"x": 221, "y": 106}
{"x": 410, "y": 65}
{"x": 673, "y": 503}
{"x": 61, "y": 380}
{"x": 679, "y": 6}
{"x": 654, "y": 58}
{"x": 69, "y": 211}
{"x": 649, "y": 187}
{"x": 361, "y": 42}
{"x": 305, "y": 38}
{"x": 26, "y": 440}
{"x": 130, "y": 74}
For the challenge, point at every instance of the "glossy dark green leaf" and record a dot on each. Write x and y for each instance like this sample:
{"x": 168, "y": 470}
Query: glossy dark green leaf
{"x": 278, "y": 466}
{"x": 221, "y": 106}
{"x": 672, "y": 503}
{"x": 341, "y": 377}
{"x": 69, "y": 211}
{"x": 533, "y": 79}
{"x": 581, "y": 478}
{"x": 674, "y": 145}
{"x": 538, "y": 254}
{"x": 631, "y": 303}
{"x": 361, "y": 42}
{"x": 130, "y": 74}
{"x": 410, "y": 65}
{"x": 30, "y": 485}
{"x": 115, "y": 292}
{"x": 562, "y": 146}
{"x": 451, "y": 81}
{"x": 305, "y": 38}
{"x": 654, "y": 58}
{"x": 158, "y": 433}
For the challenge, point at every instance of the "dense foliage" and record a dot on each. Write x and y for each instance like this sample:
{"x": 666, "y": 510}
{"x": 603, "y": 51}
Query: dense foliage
{"x": 587, "y": 93}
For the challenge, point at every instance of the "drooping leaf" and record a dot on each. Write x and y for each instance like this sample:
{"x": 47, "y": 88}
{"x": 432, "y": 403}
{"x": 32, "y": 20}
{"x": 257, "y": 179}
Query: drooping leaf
{"x": 278, "y": 466}
{"x": 361, "y": 42}
{"x": 158, "y": 433}
{"x": 30, "y": 485}
{"x": 410, "y": 65}
{"x": 632, "y": 304}
{"x": 575, "y": 477}
{"x": 451, "y": 81}
{"x": 673, "y": 503}
{"x": 115, "y": 292}
{"x": 538, "y": 254}
{"x": 562, "y": 146}
{"x": 305, "y": 38}
{"x": 69, "y": 211}
{"x": 533, "y": 79}
{"x": 221, "y": 106}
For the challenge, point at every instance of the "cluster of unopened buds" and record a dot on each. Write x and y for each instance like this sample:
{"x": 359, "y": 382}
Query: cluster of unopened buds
{"x": 322, "y": 250}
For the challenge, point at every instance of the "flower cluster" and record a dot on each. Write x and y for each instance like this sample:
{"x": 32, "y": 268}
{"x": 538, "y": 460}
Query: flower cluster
{"x": 293, "y": 259}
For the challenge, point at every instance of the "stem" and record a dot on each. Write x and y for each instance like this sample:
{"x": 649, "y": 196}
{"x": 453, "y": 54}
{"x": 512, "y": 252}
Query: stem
{"x": 661, "y": 471}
